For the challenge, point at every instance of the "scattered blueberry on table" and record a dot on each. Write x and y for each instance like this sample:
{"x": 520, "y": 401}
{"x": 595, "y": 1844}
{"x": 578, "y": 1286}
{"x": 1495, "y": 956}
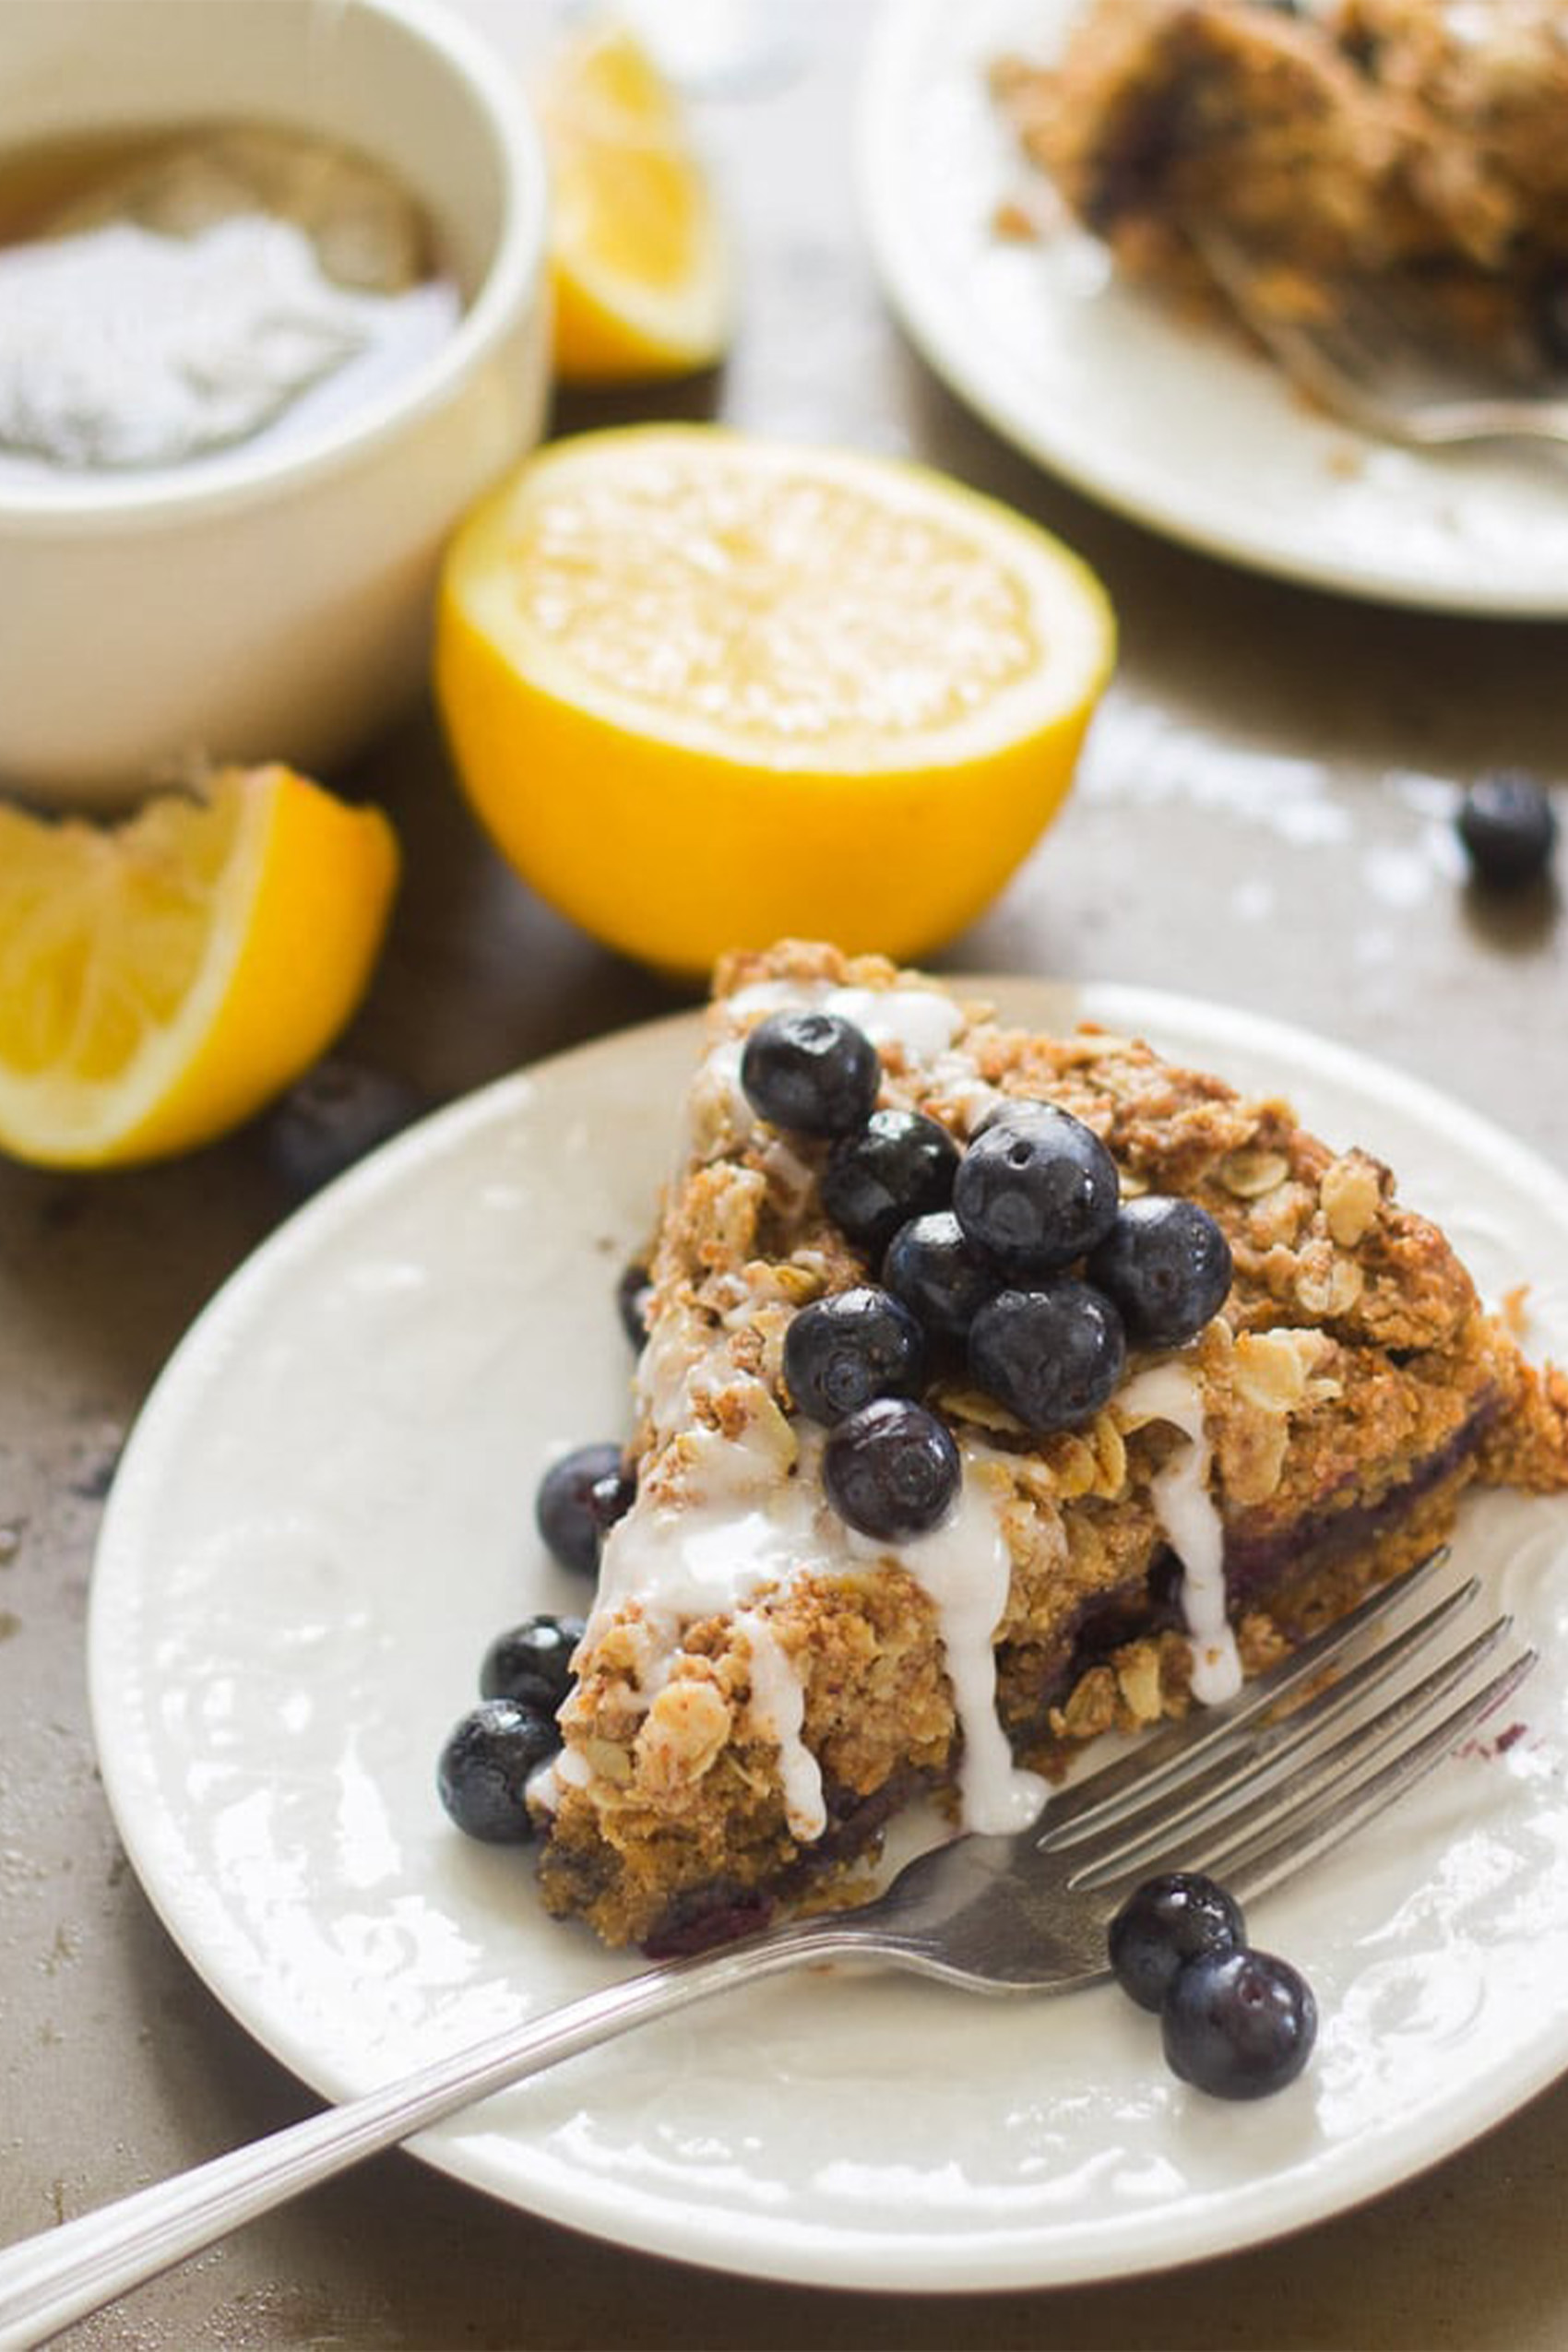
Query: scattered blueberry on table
{"x": 1507, "y": 827}
{"x": 336, "y": 1114}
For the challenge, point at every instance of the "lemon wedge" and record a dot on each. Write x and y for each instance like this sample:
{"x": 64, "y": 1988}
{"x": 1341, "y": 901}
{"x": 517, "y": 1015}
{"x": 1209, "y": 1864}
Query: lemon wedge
{"x": 707, "y": 690}
{"x": 161, "y": 979}
{"x": 640, "y": 273}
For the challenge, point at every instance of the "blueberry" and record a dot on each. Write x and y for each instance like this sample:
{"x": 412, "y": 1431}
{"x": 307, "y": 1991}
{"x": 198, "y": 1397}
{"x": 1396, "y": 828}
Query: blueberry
{"x": 841, "y": 1352}
{"x": 565, "y": 1510}
{"x": 1053, "y": 1355}
{"x": 611, "y": 1497}
{"x": 812, "y": 1071}
{"x": 632, "y": 1295}
{"x": 940, "y": 1279}
{"x": 1164, "y": 1924}
{"x": 1238, "y": 2022}
{"x": 1165, "y": 1265}
{"x": 892, "y": 1470}
{"x": 338, "y": 1112}
{"x": 899, "y": 1165}
{"x": 1508, "y": 829}
{"x": 531, "y": 1664}
{"x": 1036, "y": 1189}
{"x": 485, "y": 1766}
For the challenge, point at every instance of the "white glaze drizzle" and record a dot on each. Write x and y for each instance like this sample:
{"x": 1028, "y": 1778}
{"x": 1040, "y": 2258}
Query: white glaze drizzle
{"x": 741, "y": 1531}
{"x": 964, "y": 1568}
{"x": 777, "y": 1712}
{"x": 916, "y": 1019}
{"x": 955, "y": 1080}
{"x": 710, "y": 1555}
{"x": 715, "y": 1107}
{"x": 1179, "y": 1492}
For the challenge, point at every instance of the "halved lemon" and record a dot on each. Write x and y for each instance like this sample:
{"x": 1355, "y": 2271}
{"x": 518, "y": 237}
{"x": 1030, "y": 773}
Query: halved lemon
{"x": 707, "y": 690}
{"x": 641, "y": 276}
{"x": 161, "y": 979}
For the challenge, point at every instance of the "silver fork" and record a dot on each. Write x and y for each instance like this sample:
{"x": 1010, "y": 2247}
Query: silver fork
{"x": 1251, "y": 1791}
{"x": 1376, "y": 358}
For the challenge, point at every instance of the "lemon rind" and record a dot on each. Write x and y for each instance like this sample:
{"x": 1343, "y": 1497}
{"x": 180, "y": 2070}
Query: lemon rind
{"x": 175, "y": 1093}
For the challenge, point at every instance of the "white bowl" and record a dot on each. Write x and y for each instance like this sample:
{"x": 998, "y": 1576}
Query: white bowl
{"x": 274, "y": 601}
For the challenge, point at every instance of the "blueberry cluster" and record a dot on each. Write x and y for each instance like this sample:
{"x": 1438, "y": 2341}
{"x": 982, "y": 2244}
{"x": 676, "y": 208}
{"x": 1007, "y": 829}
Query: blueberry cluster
{"x": 527, "y": 1672}
{"x": 494, "y": 1749}
{"x": 1234, "y": 2022}
{"x": 1019, "y": 1251}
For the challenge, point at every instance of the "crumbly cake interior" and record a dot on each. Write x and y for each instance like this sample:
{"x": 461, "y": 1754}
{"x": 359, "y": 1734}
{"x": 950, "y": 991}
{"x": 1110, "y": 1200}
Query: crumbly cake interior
{"x": 760, "y": 1687}
{"x": 1395, "y": 139}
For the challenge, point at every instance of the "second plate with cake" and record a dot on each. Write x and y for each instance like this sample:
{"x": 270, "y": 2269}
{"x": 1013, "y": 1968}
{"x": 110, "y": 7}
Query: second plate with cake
{"x": 1124, "y": 398}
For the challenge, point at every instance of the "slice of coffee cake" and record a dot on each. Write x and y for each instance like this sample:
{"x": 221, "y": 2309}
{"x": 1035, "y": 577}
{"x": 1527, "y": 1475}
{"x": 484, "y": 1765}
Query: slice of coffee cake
{"x": 999, "y": 1389}
{"x": 1390, "y": 142}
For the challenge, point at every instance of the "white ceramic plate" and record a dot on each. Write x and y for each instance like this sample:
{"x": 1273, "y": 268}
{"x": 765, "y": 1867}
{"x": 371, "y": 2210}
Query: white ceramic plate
{"x": 1170, "y": 425}
{"x": 324, "y": 1516}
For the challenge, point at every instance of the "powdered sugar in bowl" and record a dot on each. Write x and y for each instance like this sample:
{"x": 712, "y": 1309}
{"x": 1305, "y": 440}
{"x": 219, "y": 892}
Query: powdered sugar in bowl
{"x": 274, "y": 271}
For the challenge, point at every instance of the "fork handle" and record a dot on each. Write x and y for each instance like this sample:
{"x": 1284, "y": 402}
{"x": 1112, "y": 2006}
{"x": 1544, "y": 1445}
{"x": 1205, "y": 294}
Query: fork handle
{"x": 47, "y": 2280}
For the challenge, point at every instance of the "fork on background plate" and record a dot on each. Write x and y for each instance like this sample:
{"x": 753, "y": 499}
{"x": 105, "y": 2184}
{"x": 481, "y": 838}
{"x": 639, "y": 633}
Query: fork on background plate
{"x": 1376, "y": 357}
{"x": 1250, "y": 1790}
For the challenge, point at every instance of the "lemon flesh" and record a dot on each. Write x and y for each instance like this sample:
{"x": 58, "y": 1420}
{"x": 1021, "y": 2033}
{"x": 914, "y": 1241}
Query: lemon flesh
{"x": 707, "y": 690}
{"x": 163, "y": 978}
{"x": 639, "y": 268}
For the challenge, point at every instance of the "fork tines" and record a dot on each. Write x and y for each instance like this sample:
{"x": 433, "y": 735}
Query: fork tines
{"x": 1381, "y": 353}
{"x": 1253, "y": 1789}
